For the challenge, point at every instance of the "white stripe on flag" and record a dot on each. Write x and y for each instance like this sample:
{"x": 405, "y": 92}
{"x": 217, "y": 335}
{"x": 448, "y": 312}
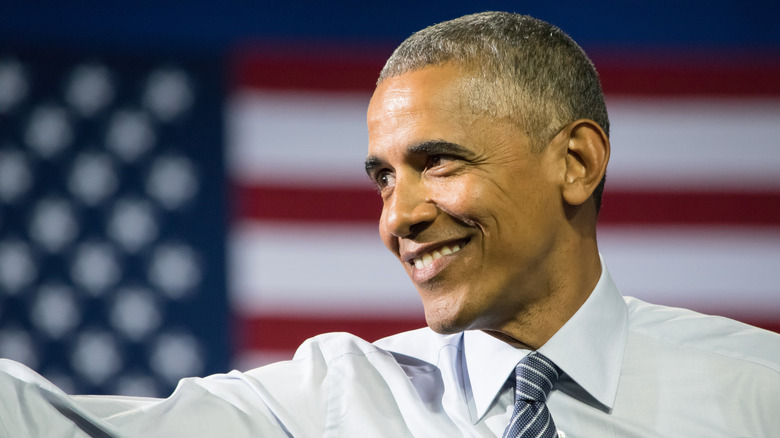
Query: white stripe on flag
{"x": 314, "y": 269}
{"x": 297, "y": 138}
{"x": 694, "y": 143}
{"x": 727, "y": 270}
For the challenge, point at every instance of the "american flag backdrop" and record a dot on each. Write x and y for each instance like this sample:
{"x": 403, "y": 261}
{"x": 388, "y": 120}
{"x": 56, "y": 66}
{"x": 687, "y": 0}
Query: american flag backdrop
{"x": 113, "y": 221}
{"x": 167, "y": 213}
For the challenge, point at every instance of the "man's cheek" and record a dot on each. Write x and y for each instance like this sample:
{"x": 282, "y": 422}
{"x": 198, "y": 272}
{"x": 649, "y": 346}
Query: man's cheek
{"x": 455, "y": 195}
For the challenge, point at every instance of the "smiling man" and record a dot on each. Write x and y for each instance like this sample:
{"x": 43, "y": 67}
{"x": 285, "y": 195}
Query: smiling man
{"x": 478, "y": 210}
{"x": 488, "y": 143}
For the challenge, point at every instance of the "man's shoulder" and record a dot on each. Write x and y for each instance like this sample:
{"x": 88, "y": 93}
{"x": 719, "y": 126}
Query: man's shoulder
{"x": 422, "y": 344}
{"x": 707, "y": 334}
{"x": 329, "y": 346}
{"x": 409, "y": 353}
{"x": 413, "y": 337}
{"x": 419, "y": 343}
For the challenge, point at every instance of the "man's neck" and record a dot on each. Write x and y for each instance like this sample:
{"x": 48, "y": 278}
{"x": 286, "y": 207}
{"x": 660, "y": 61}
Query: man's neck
{"x": 535, "y": 324}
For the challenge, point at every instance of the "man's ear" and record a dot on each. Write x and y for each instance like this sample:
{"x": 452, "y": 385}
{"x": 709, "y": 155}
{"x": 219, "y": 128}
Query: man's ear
{"x": 586, "y": 160}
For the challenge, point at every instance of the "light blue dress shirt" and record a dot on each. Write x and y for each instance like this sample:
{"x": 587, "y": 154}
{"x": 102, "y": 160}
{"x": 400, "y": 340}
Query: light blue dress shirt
{"x": 631, "y": 369}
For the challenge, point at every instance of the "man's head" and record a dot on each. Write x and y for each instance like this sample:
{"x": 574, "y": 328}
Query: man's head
{"x": 521, "y": 67}
{"x": 486, "y": 201}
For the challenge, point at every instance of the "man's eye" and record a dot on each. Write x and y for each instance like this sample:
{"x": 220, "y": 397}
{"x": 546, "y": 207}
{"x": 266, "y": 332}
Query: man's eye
{"x": 385, "y": 179}
{"x": 438, "y": 160}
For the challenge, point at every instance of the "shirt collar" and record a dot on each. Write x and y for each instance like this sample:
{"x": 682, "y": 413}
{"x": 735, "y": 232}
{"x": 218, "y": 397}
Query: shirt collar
{"x": 588, "y": 348}
{"x": 489, "y": 363}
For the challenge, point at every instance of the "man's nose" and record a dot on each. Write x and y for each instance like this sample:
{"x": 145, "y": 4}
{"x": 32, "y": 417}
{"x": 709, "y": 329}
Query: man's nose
{"x": 409, "y": 209}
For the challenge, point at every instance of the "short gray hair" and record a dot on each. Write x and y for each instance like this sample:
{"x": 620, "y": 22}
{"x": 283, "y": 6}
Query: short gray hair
{"x": 523, "y": 68}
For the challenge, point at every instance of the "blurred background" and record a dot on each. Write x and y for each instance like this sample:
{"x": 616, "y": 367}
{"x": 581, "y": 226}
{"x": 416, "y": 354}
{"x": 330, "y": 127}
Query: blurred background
{"x": 182, "y": 193}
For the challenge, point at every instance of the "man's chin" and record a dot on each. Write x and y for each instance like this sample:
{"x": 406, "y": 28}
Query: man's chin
{"x": 445, "y": 324}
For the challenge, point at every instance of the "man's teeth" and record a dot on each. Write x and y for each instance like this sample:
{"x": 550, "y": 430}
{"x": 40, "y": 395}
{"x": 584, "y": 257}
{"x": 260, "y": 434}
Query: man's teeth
{"x": 426, "y": 259}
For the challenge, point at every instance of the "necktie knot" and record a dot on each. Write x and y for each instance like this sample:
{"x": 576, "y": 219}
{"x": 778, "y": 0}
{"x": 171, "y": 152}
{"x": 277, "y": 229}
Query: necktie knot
{"x": 535, "y": 376}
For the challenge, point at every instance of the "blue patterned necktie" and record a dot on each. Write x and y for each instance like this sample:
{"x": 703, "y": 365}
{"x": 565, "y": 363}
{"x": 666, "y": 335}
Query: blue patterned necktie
{"x": 535, "y": 376}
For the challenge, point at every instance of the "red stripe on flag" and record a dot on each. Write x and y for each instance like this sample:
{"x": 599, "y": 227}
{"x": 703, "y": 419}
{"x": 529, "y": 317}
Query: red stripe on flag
{"x": 691, "y": 208}
{"x": 309, "y": 68}
{"x": 356, "y": 68}
{"x": 286, "y": 332}
{"x": 308, "y": 204}
{"x": 356, "y": 204}
{"x": 705, "y": 74}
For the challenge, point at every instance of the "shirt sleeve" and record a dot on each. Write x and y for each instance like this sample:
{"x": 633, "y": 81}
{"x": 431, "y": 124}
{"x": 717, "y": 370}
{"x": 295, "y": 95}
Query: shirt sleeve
{"x": 313, "y": 395}
{"x": 234, "y": 404}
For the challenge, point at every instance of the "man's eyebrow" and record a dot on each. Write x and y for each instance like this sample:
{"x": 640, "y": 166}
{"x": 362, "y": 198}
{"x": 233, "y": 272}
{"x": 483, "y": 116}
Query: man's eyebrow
{"x": 372, "y": 163}
{"x": 438, "y": 147}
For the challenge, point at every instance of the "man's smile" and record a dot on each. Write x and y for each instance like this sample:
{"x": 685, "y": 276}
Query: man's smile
{"x": 428, "y": 260}
{"x": 429, "y": 257}
{"x": 422, "y": 256}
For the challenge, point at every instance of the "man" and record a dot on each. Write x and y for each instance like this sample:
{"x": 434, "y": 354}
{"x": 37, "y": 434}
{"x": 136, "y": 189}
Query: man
{"x": 488, "y": 142}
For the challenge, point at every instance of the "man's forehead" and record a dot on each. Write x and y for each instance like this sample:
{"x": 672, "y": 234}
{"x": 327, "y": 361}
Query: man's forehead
{"x": 452, "y": 89}
{"x": 423, "y": 99}
{"x": 428, "y": 85}
{"x": 391, "y": 96}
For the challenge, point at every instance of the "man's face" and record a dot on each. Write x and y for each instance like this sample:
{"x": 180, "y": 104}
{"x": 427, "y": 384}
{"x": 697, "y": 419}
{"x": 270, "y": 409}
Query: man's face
{"x": 471, "y": 211}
